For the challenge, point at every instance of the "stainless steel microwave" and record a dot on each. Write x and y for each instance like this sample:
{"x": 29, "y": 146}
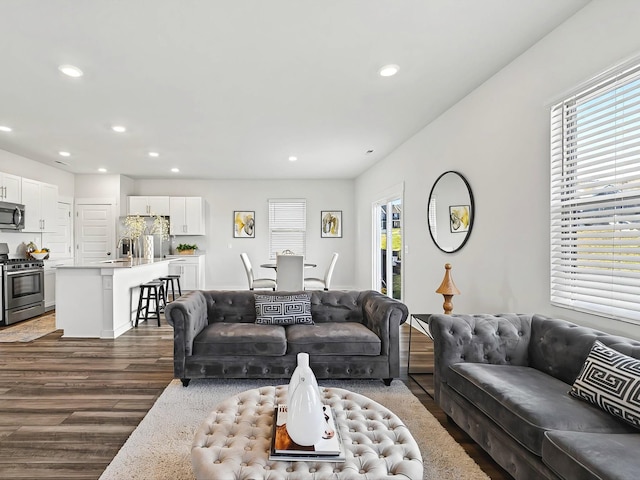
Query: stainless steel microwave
{"x": 11, "y": 216}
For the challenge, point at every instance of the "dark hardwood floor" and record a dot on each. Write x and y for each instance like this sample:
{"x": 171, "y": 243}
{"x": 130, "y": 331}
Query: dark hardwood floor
{"x": 68, "y": 405}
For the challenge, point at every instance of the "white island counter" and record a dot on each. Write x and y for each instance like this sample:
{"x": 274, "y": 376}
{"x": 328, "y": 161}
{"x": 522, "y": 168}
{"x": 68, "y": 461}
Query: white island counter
{"x": 100, "y": 300}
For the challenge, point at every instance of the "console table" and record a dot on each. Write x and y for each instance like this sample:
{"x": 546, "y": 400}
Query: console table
{"x": 234, "y": 441}
{"x": 421, "y": 322}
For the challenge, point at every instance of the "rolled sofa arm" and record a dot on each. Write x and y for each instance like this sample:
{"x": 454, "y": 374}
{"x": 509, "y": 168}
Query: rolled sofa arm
{"x": 496, "y": 339}
{"x": 188, "y": 316}
{"x": 383, "y": 316}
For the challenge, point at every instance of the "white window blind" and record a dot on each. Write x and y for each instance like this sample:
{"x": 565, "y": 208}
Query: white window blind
{"x": 595, "y": 199}
{"x": 287, "y": 226}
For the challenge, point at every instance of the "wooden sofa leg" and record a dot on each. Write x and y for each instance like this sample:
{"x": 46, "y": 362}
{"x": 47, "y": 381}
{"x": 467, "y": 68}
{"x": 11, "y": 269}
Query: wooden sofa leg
{"x": 185, "y": 381}
{"x": 387, "y": 381}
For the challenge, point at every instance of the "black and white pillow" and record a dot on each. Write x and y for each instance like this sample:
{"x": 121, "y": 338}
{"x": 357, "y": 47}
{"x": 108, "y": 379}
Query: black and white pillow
{"x": 610, "y": 380}
{"x": 283, "y": 309}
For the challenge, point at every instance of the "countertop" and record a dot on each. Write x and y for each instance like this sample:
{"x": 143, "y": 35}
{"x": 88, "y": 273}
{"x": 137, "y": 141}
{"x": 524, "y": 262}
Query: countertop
{"x": 119, "y": 263}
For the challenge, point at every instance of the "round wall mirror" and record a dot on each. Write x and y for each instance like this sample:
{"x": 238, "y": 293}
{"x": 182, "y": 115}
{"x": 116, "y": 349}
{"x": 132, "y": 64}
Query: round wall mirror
{"x": 450, "y": 212}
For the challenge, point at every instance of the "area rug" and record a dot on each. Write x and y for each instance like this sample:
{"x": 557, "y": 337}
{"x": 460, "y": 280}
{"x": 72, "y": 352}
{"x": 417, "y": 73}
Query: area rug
{"x": 159, "y": 449}
{"x": 29, "y": 330}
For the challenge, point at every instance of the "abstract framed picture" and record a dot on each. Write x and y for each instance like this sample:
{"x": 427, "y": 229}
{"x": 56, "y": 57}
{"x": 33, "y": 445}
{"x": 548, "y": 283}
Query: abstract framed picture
{"x": 244, "y": 224}
{"x": 331, "y": 223}
{"x": 459, "y": 218}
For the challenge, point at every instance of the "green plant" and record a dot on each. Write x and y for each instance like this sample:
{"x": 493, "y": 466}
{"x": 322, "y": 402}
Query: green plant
{"x": 186, "y": 246}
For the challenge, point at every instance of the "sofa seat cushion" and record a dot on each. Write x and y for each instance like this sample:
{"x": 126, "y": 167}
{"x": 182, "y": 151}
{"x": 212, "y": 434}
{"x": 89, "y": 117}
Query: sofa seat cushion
{"x": 592, "y": 456}
{"x": 526, "y": 402}
{"x": 332, "y": 338}
{"x": 223, "y": 338}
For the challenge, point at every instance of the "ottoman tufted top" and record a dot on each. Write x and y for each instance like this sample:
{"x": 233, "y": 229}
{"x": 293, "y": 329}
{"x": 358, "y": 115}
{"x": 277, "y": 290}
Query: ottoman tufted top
{"x": 234, "y": 441}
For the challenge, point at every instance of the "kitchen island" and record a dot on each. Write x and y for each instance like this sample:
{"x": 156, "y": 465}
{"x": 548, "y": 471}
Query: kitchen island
{"x": 100, "y": 300}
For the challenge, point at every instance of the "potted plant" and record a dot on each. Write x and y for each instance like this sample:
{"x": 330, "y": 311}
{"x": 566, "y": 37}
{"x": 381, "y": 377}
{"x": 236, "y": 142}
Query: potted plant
{"x": 186, "y": 249}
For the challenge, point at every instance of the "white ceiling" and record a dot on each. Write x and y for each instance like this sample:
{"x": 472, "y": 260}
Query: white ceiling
{"x": 232, "y": 88}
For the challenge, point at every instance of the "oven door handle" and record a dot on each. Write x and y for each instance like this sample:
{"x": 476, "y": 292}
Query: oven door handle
{"x": 22, "y": 272}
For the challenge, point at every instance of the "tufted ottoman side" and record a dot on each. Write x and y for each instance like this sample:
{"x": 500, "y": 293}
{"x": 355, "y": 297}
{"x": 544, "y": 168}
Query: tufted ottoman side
{"x": 234, "y": 441}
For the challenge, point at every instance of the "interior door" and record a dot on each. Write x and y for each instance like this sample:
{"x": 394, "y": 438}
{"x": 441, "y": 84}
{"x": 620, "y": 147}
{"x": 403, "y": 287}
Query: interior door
{"x": 95, "y": 233}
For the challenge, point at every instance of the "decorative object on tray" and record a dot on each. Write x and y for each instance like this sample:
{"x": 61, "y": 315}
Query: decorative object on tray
{"x": 244, "y": 225}
{"x": 305, "y": 423}
{"x": 448, "y": 289}
{"x": 331, "y": 224}
{"x": 186, "y": 249}
{"x": 328, "y": 448}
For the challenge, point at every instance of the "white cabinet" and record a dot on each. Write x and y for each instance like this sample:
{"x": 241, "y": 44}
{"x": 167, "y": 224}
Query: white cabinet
{"x": 186, "y": 216}
{"x": 155, "y": 205}
{"x": 10, "y": 188}
{"x": 41, "y": 205}
{"x": 50, "y": 281}
{"x": 191, "y": 271}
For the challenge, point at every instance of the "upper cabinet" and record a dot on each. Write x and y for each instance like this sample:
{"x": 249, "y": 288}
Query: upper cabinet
{"x": 41, "y": 203}
{"x": 10, "y": 188}
{"x": 155, "y": 205}
{"x": 187, "y": 216}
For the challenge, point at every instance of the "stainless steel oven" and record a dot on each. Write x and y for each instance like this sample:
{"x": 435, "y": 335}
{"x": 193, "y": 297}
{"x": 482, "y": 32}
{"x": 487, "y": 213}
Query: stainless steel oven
{"x": 22, "y": 289}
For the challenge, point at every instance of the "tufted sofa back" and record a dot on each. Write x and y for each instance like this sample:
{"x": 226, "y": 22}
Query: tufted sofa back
{"x": 326, "y": 306}
{"x": 559, "y": 348}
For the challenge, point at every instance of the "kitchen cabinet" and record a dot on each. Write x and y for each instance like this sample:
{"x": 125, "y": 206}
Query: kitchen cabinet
{"x": 50, "y": 281}
{"x": 10, "y": 188}
{"x": 191, "y": 271}
{"x": 150, "y": 205}
{"x": 187, "y": 216}
{"x": 41, "y": 205}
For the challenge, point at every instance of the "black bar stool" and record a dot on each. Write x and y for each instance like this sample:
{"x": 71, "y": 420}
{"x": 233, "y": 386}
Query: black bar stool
{"x": 150, "y": 292}
{"x": 169, "y": 282}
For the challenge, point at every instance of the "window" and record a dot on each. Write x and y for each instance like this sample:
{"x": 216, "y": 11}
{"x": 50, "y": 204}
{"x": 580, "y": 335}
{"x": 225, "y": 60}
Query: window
{"x": 287, "y": 226}
{"x": 595, "y": 198}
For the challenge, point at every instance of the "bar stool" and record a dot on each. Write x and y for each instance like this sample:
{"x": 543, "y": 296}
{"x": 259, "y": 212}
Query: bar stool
{"x": 169, "y": 282}
{"x": 150, "y": 292}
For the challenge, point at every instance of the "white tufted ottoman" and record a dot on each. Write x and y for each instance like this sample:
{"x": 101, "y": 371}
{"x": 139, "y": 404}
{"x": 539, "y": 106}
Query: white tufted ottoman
{"x": 233, "y": 443}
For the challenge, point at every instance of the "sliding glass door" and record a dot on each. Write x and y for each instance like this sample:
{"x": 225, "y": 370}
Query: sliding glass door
{"x": 388, "y": 247}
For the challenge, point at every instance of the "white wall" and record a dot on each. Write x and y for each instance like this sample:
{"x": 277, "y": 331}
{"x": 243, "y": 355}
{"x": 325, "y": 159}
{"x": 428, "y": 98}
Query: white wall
{"x": 498, "y": 137}
{"x": 224, "y": 267}
{"x": 24, "y": 167}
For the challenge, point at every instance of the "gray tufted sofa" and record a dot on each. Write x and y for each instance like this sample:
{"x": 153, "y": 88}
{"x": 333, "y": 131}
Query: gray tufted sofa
{"x": 355, "y": 335}
{"x": 504, "y": 379}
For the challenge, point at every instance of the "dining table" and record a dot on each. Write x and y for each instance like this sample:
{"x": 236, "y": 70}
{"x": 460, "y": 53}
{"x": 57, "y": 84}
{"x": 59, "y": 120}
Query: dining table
{"x": 275, "y": 266}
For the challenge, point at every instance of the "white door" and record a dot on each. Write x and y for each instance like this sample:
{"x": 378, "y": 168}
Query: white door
{"x": 59, "y": 241}
{"x": 388, "y": 247}
{"x": 95, "y": 233}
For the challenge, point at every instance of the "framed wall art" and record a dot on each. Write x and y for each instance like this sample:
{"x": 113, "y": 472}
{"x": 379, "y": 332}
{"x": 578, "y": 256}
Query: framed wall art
{"x": 459, "y": 218}
{"x": 244, "y": 224}
{"x": 331, "y": 224}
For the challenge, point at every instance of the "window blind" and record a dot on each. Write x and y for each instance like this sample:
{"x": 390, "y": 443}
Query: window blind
{"x": 287, "y": 226}
{"x": 595, "y": 198}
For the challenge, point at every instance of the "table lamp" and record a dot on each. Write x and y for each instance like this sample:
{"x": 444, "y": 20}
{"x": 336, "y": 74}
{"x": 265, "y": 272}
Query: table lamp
{"x": 448, "y": 289}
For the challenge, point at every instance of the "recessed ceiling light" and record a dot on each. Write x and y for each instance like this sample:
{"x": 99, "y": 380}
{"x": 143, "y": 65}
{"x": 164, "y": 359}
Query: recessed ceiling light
{"x": 64, "y": 154}
{"x": 102, "y": 170}
{"x": 119, "y": 128}
{"x": 154, "y": 154}
{"x": 5, "y": 129}
{"x": 71, "y": 71}
{"x": 175, "y": 170}
{"x": 292, "y": 158}
{"x": 389, "y": 70}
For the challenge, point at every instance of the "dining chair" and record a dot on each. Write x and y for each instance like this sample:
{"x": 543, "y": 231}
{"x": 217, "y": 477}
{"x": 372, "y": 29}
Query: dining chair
{"x": 256, "y": 282}
{"x": 290, "y": 272}
{"x": 312, "y": 283}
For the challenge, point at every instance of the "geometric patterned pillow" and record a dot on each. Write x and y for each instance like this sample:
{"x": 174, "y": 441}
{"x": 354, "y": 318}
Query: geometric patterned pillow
{"x": 610, "y": 380}
{"x": 283, "y": 309}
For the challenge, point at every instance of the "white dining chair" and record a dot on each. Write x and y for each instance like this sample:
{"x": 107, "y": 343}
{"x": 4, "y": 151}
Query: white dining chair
{"x": 256, "y": 282}
{"x": 312, "y": 283}
{"x": 290, "y": 273}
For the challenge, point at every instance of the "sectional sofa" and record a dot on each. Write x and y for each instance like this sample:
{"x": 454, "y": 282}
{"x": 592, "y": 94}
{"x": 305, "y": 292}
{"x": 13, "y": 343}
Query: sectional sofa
{"x": 544, "y": 397}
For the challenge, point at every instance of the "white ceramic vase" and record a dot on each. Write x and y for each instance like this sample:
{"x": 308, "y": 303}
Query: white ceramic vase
{"x": 148, "y": 247}
{"x": 305, "y": 419}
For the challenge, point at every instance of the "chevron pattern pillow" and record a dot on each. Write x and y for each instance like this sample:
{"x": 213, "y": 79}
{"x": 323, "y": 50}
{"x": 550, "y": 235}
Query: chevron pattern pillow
{"x": 283, "y": 309}
{"x": 610, "y": 380}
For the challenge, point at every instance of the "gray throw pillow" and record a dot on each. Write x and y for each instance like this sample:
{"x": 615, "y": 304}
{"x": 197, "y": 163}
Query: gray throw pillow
{"x": 610, "y": 380}
{"x": 283, "y": 309}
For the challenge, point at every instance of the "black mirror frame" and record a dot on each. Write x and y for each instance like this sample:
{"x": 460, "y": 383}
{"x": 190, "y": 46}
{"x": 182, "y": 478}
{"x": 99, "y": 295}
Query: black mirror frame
{"x": 472, "y": 206}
